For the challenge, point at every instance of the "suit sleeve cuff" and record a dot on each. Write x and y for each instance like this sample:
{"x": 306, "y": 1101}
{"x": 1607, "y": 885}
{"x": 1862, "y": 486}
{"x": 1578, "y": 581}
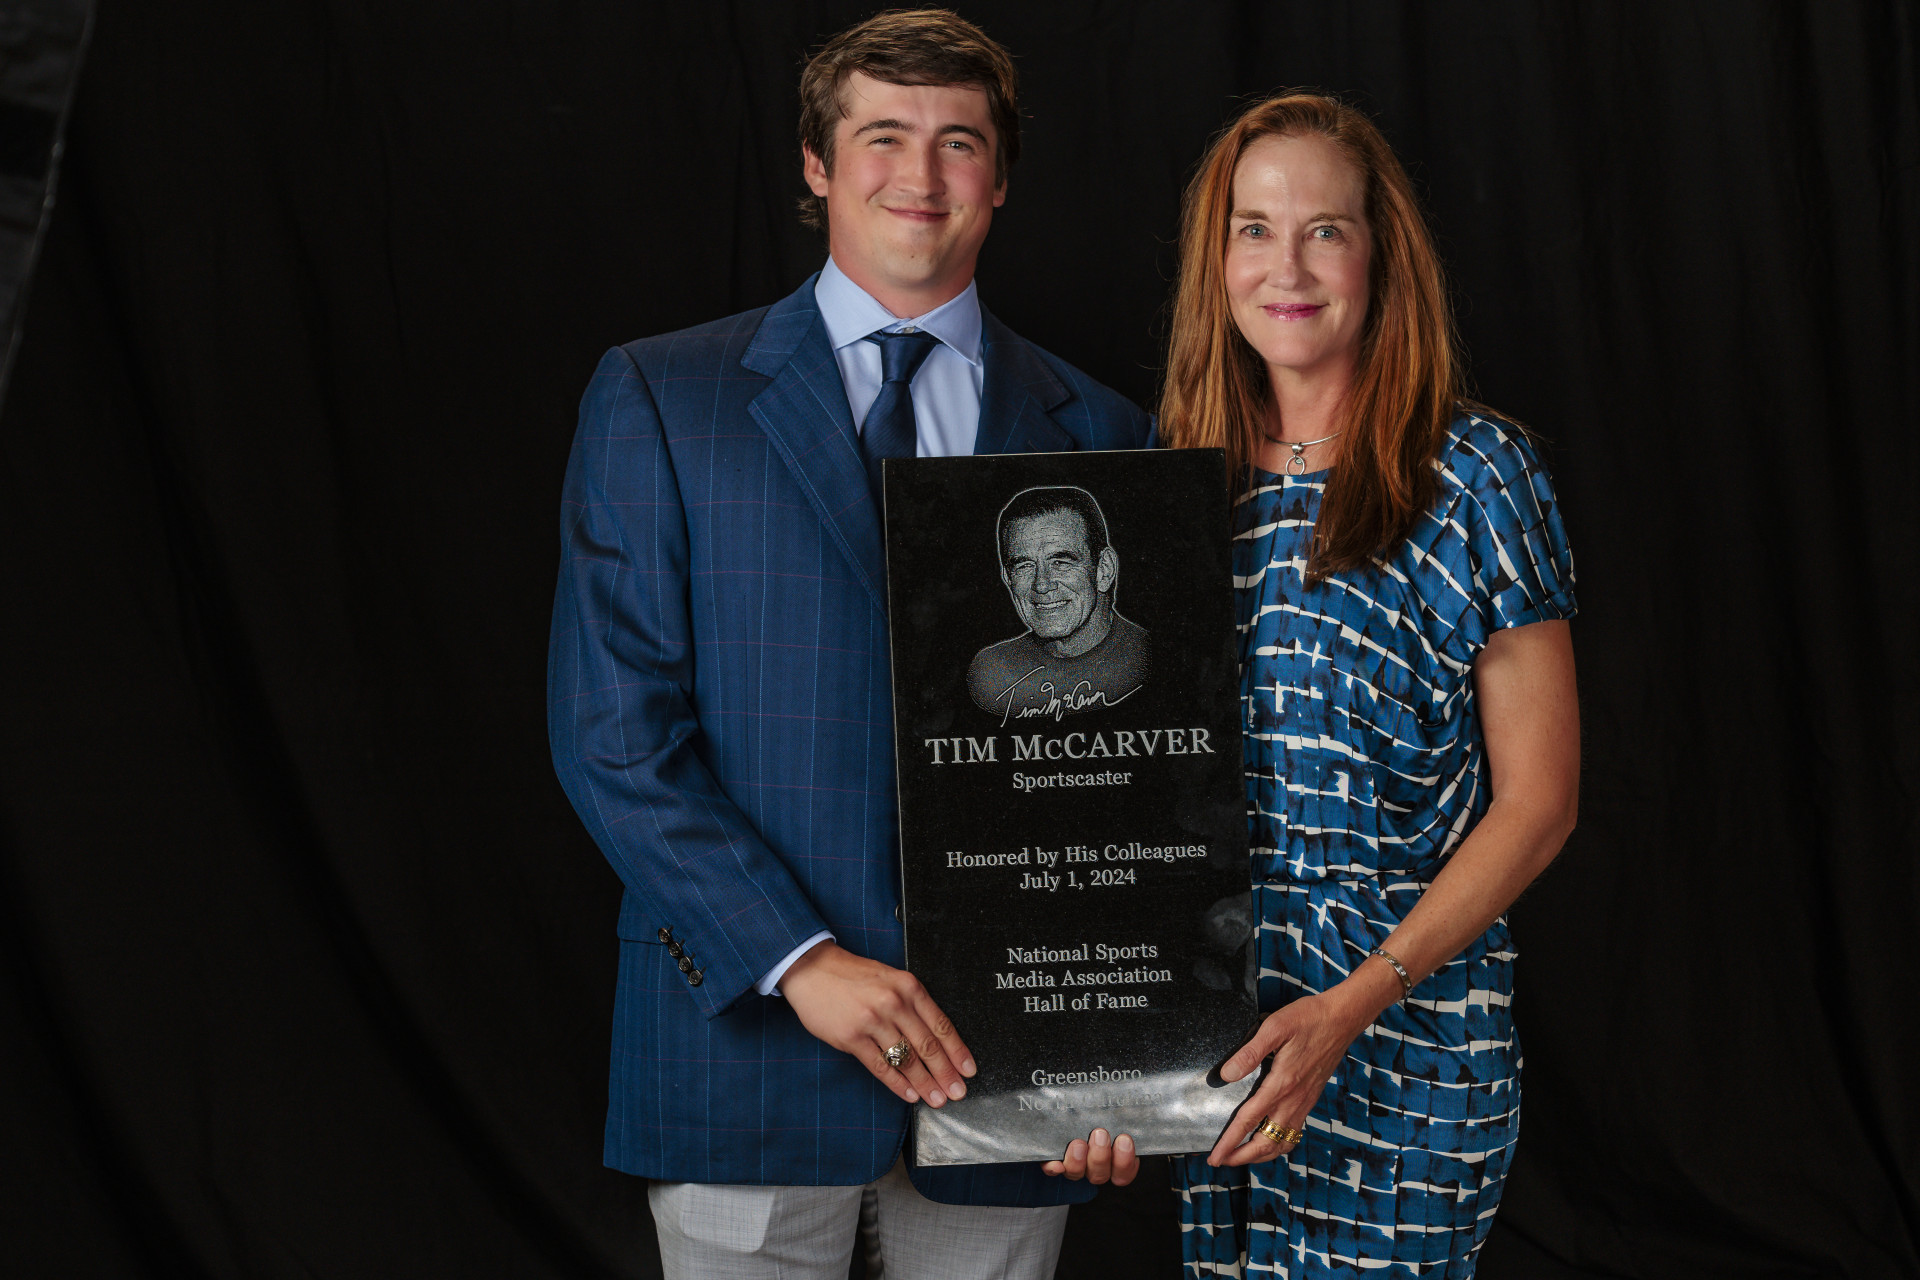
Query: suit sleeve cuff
{"x": 769, "y": 985}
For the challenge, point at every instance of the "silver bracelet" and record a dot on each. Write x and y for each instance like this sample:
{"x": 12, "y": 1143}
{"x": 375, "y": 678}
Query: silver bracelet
{"x": 1406, "y": 983}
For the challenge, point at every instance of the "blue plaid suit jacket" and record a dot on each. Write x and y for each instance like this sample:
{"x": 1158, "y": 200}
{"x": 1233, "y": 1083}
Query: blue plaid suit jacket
{"x": 720, "y": 716}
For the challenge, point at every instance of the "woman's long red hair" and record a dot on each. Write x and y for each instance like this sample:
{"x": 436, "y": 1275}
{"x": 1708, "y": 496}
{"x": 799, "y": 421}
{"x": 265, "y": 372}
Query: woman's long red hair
{"x": 1407, "y": 380}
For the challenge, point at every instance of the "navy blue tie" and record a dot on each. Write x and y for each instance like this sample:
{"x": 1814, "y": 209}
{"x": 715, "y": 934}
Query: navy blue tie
{"x": 888, "y": 431}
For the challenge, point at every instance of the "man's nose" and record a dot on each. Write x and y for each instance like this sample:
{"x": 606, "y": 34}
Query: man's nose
{"x": 920, "y": 173}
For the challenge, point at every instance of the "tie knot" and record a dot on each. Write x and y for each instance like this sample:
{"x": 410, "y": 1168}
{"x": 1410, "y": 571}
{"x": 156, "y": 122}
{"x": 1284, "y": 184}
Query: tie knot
{"x": 902, "y": 354}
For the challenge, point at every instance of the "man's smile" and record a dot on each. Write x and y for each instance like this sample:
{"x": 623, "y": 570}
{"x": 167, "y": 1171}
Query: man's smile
{"x": 916, "y": 215}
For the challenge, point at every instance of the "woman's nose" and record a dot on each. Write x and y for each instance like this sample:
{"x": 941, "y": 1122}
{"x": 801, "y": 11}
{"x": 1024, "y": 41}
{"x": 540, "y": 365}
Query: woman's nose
{"x": 1286, "y": 266}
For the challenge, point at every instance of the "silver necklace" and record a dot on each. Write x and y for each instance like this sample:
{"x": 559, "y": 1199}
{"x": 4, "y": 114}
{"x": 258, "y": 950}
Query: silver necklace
{"x": 1297, "y": 464}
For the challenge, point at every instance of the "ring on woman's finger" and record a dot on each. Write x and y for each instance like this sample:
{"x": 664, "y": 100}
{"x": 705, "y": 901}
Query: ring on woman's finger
{"x": 898, "y": 1055}
{"x": 1277, "y": 1134}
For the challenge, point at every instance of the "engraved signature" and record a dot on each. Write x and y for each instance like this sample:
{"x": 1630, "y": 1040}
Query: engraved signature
{"x": 1081, "y": 697}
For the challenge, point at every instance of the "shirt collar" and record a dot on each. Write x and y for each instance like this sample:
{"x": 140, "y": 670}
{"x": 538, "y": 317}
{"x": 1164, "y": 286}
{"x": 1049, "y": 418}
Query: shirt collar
{"x": 851, "y": 313}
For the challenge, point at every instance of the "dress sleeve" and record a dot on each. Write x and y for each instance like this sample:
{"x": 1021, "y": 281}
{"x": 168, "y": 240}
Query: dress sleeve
{"x": 1518, "y": 564}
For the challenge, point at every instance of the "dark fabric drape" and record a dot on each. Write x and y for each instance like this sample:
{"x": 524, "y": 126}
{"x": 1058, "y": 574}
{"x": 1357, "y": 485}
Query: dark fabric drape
{"x": 307, "y": 963}
{"x": 42, "y": 43}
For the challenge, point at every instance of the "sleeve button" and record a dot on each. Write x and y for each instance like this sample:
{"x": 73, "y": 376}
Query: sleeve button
{"x": 686, "y": 965}
{"x": 665, "y": 934}
{"x": 694, "y": 978}
{"x": 675, "y": 950}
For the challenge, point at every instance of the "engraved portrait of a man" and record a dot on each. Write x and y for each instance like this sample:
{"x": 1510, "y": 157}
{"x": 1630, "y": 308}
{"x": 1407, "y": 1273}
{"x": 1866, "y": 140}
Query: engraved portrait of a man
{"x": 1078, "y": 653}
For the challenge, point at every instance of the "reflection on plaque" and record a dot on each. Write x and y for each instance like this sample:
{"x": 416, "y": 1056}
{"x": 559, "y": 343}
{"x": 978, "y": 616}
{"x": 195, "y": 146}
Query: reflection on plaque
{"x": 1072, "y": 814}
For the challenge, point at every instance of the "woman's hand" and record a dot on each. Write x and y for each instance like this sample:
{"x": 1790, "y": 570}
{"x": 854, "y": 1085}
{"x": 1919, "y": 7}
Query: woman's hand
{"x": 1307, "y": 1040}
{"x": 1097, "y": 1160}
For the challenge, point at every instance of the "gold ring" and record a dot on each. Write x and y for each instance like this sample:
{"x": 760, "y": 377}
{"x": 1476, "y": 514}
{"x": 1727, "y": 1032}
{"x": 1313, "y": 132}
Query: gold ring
{"x": 899, "y": 1055}
{"x": 1277, "y": 1134}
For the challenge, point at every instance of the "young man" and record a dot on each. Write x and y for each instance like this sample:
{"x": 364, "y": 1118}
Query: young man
{"x": 719, "y": 701}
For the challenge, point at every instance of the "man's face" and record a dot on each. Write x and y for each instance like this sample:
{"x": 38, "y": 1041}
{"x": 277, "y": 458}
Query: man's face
{"x": 913, "y": 190}
{"x": 1054, "y": 581}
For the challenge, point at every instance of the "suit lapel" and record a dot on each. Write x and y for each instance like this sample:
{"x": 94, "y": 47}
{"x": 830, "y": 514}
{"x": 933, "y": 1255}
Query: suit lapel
{"x": 804, "y": 412}
{"x": 1018, "y": 391}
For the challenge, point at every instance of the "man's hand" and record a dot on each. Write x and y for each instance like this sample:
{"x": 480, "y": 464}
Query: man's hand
{"x": 1097, "y": 1160}
{"x": 863, "y": 1007}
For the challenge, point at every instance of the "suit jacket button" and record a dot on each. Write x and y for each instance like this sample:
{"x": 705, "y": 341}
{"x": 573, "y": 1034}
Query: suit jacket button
{"x": 666, "y": 934}
{"x": 694, "y": 978}
{"x": 675, "y": 950}
{"x": 896, "y": 914}
{"x": 686, "y": 965}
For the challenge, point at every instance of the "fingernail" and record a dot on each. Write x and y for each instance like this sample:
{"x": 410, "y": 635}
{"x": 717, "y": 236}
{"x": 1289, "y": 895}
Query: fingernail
{"x": 967, "y": 1067}
{"x": 1124, "y": 1144}
{"x": 956, "y": 1091}
{"x": 912, "y": 1096}
{"x": 1100, "y": 1137}
{"x": 936, "y": 1099}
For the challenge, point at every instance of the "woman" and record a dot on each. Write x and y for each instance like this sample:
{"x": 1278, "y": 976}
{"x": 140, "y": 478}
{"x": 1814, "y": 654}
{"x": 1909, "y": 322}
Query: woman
{"x": 1412, "y": 738}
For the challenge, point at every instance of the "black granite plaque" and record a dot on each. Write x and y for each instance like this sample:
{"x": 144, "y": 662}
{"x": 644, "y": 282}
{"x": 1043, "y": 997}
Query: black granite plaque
{"x": 1072, "y": 816}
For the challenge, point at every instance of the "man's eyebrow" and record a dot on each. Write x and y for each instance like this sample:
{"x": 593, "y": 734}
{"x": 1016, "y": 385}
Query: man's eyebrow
{"x": 901, "y": 126}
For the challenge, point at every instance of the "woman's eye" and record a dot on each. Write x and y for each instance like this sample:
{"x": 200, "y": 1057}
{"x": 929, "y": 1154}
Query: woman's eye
{"x": 1253, "y": 231}
{"x": 1326, "y": 233}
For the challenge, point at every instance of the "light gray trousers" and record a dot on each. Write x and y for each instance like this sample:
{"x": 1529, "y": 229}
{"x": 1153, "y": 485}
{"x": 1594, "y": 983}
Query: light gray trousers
{"x": 710, "y": 1231}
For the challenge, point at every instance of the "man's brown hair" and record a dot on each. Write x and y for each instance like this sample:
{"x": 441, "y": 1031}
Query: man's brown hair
{"x": 907, "y": 46}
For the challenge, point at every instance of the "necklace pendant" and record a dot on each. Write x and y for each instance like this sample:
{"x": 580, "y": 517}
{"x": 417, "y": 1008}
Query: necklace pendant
{"x": 1297, "y": 464}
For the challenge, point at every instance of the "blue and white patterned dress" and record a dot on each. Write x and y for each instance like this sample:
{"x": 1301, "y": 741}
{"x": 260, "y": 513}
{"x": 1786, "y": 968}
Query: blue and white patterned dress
{"x": 1365, "y": 768}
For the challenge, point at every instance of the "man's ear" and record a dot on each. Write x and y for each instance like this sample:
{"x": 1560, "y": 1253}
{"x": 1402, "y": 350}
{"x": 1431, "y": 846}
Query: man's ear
{"x": 1000, "y": 194}
{"x": 814, "y": 169}
{"x": 1107, "y": 572}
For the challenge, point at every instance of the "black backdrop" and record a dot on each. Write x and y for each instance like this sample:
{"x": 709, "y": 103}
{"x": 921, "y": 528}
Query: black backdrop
{"x": 308, "y": 965}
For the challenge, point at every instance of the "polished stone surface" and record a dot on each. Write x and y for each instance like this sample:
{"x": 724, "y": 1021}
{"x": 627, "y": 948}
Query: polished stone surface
{"x": 1072, "y": 815}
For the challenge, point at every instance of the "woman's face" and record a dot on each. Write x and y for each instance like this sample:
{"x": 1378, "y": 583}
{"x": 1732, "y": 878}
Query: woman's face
{"x": 1297, "y": 250}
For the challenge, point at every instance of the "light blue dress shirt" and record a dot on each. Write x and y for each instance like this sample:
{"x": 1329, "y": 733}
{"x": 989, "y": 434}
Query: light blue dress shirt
{"x": 946, "y": 389}
{"x": 946, "y": 402}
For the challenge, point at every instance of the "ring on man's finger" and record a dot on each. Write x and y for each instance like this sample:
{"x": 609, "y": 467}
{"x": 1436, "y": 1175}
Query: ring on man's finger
{"x": 1277, "y": 1134}
{"x": 899, "y": 1055}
